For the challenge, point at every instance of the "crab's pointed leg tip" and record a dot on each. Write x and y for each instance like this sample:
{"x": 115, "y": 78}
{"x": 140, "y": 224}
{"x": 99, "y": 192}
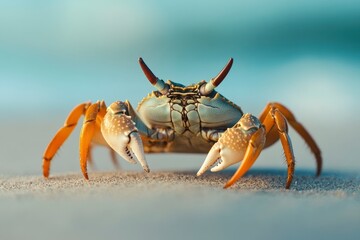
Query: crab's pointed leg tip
{"x": 228, "y": 184}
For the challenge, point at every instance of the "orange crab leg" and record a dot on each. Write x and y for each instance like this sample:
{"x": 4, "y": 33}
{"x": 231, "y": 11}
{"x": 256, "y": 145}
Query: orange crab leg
{"x": 90, "y": 159}
{"x": 93, "y": 117}
{"x": 272, "y": 136}
{"x": 253, "y": 150}
{"x": 62, "y": 134}
{"x": 275, "y": 117}
{"x": 299, "y": 128}
{"x": 303, "y": 133}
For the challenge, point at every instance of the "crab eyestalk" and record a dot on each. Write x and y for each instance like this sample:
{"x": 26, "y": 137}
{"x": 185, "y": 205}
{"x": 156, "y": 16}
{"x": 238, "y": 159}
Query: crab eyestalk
{"x": 156, "y": 82}
{"x": 207, "y": 88}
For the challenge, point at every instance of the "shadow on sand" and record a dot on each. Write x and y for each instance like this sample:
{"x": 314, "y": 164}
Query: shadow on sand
{"x": 272, "y": 179}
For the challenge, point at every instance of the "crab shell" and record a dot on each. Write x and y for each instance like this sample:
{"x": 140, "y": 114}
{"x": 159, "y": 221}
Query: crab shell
{"x": 213, "y": 111}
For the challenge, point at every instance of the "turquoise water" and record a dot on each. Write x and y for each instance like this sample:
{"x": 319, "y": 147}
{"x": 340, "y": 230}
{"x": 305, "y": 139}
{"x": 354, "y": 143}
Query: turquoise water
{"x": 56, "y": 54}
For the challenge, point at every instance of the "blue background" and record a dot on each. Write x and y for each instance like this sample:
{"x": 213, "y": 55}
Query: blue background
{"x": 56, "y": 54}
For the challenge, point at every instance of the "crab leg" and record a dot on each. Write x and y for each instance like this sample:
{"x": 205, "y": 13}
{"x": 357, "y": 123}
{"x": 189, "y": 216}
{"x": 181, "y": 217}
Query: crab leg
{"x": 61, "y": 136}
{"x": 303, "y": 133}
{"x": 300, "y": 129}
{"x": 253, "y": 150}
{"x": 90, "y": 158}
{"x": 275, "y": 117}
{"x": 87, "y": 132}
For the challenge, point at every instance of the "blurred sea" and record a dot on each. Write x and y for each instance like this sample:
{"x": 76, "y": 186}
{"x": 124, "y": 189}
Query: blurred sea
{"x": 56, "y": 54}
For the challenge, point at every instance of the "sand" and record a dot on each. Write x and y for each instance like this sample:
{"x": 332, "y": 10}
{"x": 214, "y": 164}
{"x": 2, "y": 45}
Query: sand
{"x": 333, "y": 184}
{"x": 178, "y": 205}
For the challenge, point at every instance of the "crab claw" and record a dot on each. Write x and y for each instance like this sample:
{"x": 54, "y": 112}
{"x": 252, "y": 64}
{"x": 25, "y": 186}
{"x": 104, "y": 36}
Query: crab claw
{"x": 121, "y": 134}
{"x": 224, "y": 153}
{"x": 236, "y": 144}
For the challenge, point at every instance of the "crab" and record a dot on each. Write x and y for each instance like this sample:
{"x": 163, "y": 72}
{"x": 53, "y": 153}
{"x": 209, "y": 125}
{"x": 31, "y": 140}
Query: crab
{"x": 183, "y": 119}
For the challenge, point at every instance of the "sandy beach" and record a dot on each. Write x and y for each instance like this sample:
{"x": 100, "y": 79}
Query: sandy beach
{"x": 178, "y": 205}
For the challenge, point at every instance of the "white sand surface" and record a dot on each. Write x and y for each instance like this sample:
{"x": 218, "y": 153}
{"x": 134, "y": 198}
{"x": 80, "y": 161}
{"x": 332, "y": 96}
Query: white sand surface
{"x": 178, "y": 205}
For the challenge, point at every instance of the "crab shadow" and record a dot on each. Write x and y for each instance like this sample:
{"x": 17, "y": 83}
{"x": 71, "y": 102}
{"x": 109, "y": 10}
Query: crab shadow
{"x": 274, "y": 179}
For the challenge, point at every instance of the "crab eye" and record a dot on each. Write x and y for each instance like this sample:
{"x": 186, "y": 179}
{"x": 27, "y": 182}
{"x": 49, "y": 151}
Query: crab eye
{"x": 156, "y": 82}
{"x": 208, "y": 88}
